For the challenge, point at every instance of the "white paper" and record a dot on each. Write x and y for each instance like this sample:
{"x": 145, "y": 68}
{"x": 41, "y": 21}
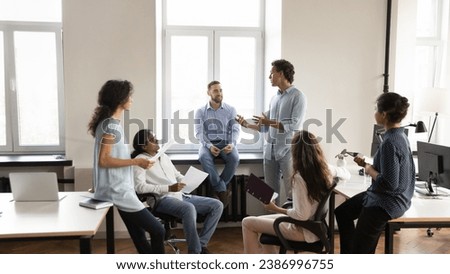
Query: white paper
{"x": 193, "y": 178}
{"x": 274, "y": 196}
{"x": 163, "y": 149}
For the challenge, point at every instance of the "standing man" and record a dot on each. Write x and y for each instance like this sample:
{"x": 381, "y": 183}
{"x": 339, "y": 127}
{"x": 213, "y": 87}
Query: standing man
{"x": 285, "y": 116}
{"x": 218, "y": 132}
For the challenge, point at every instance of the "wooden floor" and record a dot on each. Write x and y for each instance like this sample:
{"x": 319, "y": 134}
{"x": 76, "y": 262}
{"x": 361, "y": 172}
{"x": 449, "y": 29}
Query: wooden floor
{"x": 229, "y": 241}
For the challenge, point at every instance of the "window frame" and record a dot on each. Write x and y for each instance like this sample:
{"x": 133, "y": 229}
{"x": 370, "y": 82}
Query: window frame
{"x": 214, "y": 34}
{"x": 11, "y": 108}
{"x": 439, "y": 43}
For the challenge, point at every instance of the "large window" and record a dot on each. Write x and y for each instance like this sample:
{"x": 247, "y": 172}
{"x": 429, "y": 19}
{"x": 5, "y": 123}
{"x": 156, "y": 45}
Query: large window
{"x": 31, "y": 86}
{"x": 207, "y": 40}
{"x": 431, "y": 47}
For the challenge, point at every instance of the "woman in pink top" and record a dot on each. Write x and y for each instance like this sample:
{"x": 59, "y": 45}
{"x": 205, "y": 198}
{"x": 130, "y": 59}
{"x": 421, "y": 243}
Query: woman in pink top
{"x": 310, "y": 182}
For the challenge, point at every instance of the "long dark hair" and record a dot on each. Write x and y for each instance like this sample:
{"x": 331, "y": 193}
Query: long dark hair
{"x": 112, "y": 94}
{"x": 140, "y": 140}
{"x": 309, "y": 161}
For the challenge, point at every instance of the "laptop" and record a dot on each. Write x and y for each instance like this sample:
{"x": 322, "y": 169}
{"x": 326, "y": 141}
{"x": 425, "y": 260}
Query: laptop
{"x": 35, "y": 187}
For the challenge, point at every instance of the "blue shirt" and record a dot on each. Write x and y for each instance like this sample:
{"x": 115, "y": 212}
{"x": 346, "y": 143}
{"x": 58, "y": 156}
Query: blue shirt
{"x": 289, "y": 109}
{"x": 394, "y": 186}
{"x": 114, "y": 184}
{"x": 216, "y": 126}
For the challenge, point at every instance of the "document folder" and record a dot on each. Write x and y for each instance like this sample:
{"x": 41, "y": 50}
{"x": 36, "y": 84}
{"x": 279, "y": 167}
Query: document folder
{"x": 259, "y": 189}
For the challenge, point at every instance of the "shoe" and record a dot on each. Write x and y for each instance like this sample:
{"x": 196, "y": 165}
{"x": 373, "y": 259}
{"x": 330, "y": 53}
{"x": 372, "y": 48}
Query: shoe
{"x": 225, "y": 197}
{"x": 205, "y": 251}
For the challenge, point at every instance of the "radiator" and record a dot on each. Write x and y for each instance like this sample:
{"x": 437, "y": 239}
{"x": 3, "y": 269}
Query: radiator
{"x": 237, "y": 209}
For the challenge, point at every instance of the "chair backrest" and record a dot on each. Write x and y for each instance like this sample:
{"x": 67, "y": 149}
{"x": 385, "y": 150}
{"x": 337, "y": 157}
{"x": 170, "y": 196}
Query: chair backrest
{"x": 322, "y": 208}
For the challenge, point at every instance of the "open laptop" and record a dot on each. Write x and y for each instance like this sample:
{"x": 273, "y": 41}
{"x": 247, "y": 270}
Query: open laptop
{"x": 35, "y": 187}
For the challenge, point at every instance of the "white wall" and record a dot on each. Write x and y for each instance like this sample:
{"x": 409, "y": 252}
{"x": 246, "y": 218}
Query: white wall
{"x": 105, "y": 39}
{"x": 337, "y": 48}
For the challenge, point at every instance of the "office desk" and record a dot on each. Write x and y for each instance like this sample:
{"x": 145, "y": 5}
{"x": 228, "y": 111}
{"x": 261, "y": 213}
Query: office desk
{"x": 64, "y": 219}
{"x": 425, "y": 212}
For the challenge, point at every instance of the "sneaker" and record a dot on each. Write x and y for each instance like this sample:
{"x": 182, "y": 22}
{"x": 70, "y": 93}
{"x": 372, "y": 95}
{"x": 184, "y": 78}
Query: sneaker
{"x": 205, "y": 251}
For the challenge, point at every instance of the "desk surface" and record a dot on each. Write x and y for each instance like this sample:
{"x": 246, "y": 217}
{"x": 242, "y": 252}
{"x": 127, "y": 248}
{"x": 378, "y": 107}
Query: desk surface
{"x": 423, "y": 208}
{"x": 48, "y": 219}
{"x": 33, "y": 160}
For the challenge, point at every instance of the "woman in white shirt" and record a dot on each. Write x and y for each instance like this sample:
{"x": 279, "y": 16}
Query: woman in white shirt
{"x": 310, "y": 182}
{"x": 164, "y": 180}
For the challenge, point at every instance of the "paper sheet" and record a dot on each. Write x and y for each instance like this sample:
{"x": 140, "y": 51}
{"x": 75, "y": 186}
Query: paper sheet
{"x": 163, "y": 149}
{"x": 193, "y": 178}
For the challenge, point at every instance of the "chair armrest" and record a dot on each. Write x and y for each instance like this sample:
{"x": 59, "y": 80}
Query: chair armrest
{"x": 149, "y": 196}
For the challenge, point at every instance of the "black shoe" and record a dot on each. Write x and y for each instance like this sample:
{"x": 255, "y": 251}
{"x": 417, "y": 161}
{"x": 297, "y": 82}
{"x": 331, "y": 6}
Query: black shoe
{"x": 225, "y": 197}
{"x": 205, "y": 251}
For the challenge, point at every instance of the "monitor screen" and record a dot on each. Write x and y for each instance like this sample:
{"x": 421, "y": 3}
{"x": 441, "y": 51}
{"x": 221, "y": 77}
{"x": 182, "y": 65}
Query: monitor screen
{"x": 434, "y": 160}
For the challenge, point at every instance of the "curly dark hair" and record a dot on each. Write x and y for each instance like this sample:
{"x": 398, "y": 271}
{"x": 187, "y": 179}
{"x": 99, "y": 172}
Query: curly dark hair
{"x": 112, "y": 94}
{"x": 286, "y": 67}
{"x": 140, "y": 140}
{"x": 309, "y": 161}
{"x": 394, "y": 105}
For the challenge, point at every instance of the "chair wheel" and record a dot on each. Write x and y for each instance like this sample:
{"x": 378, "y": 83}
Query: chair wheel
{"x": 430, "y": 232}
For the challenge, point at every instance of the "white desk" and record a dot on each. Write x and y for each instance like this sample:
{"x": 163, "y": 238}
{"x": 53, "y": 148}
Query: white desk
{"x": 64, "y": 219}
{"x": 425, "y": 212}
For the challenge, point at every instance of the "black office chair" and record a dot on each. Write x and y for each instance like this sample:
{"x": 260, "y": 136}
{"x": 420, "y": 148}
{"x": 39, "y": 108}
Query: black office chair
{"x": 318, "y": 225}
{"x": 168, "y": 221}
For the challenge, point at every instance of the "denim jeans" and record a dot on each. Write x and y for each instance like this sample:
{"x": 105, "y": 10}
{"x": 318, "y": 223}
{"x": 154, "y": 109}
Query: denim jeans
{"x": 137, "y": 224}
{"x": 187, "y": 210}
{"x": 273, "y": 170}
{"x": 363, "y": 238}
{"x": 219, "y": 182}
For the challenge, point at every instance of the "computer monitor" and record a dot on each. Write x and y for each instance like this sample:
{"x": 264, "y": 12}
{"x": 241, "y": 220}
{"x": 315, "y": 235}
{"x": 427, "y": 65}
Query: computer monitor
{"x": 434, "y": 164}
{"x": 377, "y": 137}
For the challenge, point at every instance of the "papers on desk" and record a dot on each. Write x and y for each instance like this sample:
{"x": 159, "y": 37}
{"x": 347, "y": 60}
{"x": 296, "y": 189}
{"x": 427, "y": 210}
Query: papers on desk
{"x": 94, "y": 204}
{"x": 163, "y": 149}
{"x": 193, "y": 178}
{"x": 260, "y": 190}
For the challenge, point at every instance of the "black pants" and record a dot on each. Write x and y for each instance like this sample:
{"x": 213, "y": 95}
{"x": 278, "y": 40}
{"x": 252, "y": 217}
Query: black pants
{"x": 137, "y": 224}
{"x": 363, "y": 238}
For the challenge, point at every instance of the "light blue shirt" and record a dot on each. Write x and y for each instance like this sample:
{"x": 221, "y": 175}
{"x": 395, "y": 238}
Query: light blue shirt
{"x": 114, "y": 184}
{"x": 289, "y": 109}
{"x": 216, "y": 125}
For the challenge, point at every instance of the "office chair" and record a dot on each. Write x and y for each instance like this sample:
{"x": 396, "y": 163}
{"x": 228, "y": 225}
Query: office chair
{"x": 318, "y": 225}
{"x": 168, "y": 221}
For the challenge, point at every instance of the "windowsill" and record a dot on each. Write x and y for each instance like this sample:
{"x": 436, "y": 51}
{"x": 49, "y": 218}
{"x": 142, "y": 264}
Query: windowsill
{"x": 192, "y": 158}
{"x": 33, "y": 160}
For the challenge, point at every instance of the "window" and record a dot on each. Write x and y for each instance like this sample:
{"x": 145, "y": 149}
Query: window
{"x": 431, "y": 33}
{"x": 205, "y": 40}
{"x": 31, "y": 91}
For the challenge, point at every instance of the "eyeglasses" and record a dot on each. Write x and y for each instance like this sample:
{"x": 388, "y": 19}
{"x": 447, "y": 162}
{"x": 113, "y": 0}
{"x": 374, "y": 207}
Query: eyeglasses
{"x": 153, "y": 141}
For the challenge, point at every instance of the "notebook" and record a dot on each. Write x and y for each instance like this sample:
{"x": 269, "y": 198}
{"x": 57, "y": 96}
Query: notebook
{"x": 35, "y": 187}
{"x": 259, "y": 189}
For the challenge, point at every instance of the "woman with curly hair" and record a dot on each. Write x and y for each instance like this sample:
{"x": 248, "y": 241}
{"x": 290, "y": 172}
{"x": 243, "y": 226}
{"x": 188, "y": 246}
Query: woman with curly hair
{"x": 113, "y": 173}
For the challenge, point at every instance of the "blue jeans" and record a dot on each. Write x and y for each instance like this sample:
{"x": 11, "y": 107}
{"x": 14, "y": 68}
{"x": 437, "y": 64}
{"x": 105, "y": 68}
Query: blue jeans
{"x": 219, "y": 182}
{"x": 187, "y": 210}
{"x": 274, "y": 170}
{"x": 137, "y": 224}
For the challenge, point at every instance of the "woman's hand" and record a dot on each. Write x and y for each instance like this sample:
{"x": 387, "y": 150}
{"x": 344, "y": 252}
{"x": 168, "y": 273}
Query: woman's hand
{"x": 144, "y": 163}
{"x": 176, "y": 187}
{"x": 360, "y": 161}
